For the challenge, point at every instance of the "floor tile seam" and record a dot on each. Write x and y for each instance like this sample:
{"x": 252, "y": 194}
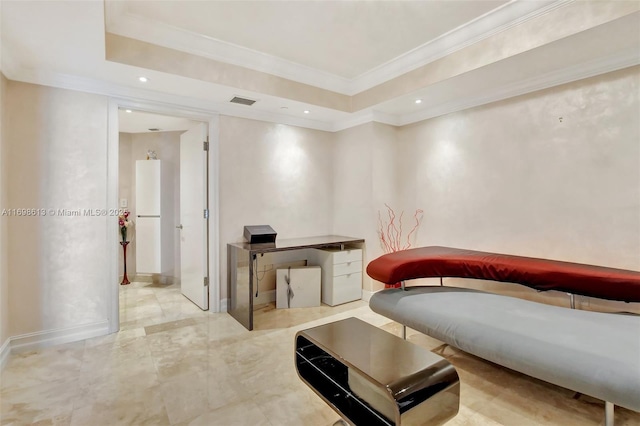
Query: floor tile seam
{"x": 76, "y": 372}
{"x": 116, "y": 342}
{"x": 156, "y": 341}
{"x": 64, "y": 380}
{"x": 497, "y": 408}
{"x": 91, "y": 405}
{"x": 160, "y": 303}
{"x": 209, "y": 409}
{"x": 255, "y": 405}
{"x": 169, "y": 329}
{"x": 108, "y": 381}
{"x": 36, "y": 420}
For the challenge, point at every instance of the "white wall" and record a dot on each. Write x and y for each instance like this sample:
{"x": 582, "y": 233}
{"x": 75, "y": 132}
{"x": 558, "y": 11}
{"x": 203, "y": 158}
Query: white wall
{"x": 273, "y": 174}
{"x": 553, "y": 174}
{"x": 506, "y": 177}
{"x": 58, "y": 160}
{"x": 365, "y": 178}
{"x": 133, "y": 147}
{"x": 4, "y": 183}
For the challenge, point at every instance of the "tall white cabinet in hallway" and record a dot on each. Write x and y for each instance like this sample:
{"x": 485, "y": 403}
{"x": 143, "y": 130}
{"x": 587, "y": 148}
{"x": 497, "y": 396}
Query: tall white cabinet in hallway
{"x": 153, "y": 254}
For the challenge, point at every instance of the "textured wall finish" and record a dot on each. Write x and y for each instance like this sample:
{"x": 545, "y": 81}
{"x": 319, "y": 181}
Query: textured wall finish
{"x": 4, "y": 183}
{"x": 272, "y": 174}
{"x": 57, "y": 146}
{"x": 552, "y": 174}
{"x": 364, "y": 164}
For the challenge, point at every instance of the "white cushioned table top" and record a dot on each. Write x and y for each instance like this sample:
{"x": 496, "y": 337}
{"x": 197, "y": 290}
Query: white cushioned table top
{"x": 597, "y": 354}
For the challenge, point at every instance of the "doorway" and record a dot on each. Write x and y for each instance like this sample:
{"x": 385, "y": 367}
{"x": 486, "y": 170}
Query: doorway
{"x": 171, "y": 256}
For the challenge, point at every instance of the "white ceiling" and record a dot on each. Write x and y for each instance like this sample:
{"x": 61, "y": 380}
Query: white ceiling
{"x": 143, "y": 122}
{"x": 343, "y": 46}
{"x": 345, "y": 38}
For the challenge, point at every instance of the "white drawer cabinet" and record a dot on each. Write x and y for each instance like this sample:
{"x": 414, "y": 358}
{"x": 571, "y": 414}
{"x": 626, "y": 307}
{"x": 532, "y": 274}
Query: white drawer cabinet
{"x": 341, "y": 274}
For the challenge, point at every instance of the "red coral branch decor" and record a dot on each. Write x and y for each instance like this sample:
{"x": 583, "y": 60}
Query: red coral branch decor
{"x": 390, "y": 232}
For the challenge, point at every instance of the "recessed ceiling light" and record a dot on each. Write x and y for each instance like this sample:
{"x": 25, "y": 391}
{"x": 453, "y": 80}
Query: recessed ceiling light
{"x": 418, "y": 101}
{"x": 127, "y": 110}
{"x": 143, "y": 79}
{"x": 306, "y": 111}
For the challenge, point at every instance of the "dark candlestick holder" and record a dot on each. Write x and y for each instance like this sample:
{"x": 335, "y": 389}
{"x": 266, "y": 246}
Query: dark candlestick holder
{"x": 124, "y": 245}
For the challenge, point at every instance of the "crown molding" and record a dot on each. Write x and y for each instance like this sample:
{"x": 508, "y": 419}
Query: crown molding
{"x": 507, "y": 16}
{"x": 119, "y": 21}
{"x": 621, "y": 60}
{"x": 366, "y": 116}
{"x": 356, "y": 119}
{"x": 134, "y": 26}
{"x": 89, "y": 85}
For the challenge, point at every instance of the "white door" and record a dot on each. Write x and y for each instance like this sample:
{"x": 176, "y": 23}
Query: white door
{"x": 193, "y": 203}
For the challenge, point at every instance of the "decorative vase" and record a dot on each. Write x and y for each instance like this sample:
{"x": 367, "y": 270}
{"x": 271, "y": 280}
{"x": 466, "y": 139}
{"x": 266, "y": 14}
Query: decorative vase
{"x": 124, "y": 245}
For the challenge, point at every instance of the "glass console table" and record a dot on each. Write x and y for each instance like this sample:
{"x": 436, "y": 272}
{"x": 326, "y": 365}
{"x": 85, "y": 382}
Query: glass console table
{"x": 240, "y": 265}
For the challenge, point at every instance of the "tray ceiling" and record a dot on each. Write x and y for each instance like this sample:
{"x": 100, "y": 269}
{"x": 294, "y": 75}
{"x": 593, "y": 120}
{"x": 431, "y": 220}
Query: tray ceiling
{"x": 343, "y": 62}
{"x": 345, "y": 38}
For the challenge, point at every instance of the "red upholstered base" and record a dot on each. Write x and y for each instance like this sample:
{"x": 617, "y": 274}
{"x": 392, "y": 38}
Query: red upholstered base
{"x": 541, "y": 274}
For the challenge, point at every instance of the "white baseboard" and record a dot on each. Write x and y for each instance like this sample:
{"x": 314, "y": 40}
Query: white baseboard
{"x": 42, "y": 339}
{"x": 154, "y": 278}
{"x": 4, "y": 353}
{"x": 366, "y": 295}
{"x": 223, "y": 305}
{"x": 141, "y": 278}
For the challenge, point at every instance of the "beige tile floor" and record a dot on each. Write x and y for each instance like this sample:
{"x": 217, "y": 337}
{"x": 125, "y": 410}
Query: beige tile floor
{"x": 172, "y": 364}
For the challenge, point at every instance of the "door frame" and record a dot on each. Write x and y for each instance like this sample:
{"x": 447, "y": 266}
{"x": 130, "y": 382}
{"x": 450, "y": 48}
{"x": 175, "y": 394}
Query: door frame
{"x": 207, "y": 116}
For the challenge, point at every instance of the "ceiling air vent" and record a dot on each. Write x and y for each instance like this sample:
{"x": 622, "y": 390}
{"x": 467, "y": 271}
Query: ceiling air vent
{"x": 242, "y": 101}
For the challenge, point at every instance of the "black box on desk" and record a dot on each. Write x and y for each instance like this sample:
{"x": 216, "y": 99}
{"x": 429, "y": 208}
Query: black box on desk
{"x": 259, "y": 234}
